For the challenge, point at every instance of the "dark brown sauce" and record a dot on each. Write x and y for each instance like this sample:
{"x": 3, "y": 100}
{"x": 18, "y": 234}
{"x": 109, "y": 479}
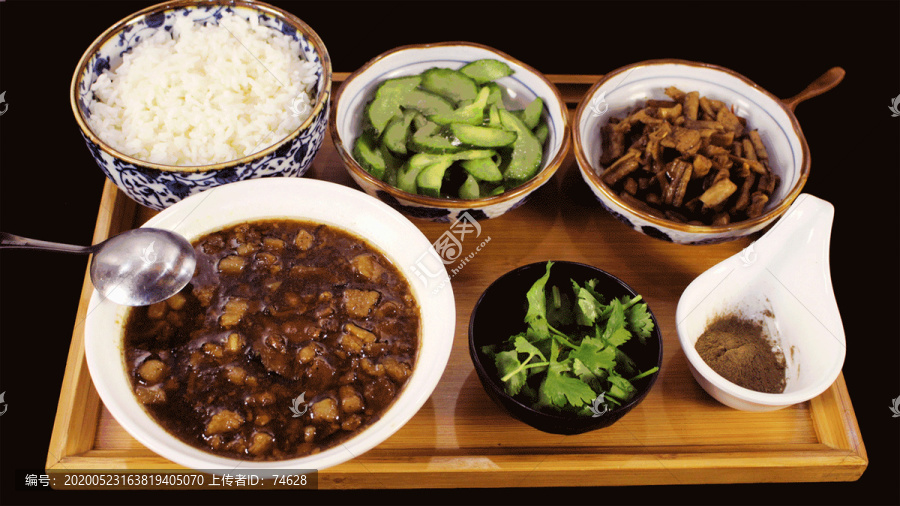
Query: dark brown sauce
{"x": 291, "y": 338}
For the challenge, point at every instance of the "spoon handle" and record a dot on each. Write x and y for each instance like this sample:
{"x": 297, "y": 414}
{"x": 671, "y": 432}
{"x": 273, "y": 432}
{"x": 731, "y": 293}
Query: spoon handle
{"x": 16, "y": 242}
{"x": 823, "y": 83}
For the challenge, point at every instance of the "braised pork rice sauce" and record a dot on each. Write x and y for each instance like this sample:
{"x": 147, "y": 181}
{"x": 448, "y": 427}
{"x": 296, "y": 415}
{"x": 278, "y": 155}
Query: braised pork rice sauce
{"x": 291, "y": 338}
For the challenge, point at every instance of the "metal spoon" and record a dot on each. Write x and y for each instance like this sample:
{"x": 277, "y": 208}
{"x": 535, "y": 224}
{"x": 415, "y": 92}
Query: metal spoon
{"x": 135, "y": 268}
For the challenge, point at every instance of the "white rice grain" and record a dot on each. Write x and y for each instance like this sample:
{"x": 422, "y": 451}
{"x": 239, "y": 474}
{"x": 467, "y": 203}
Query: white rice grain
{"x": 205, "y": 94}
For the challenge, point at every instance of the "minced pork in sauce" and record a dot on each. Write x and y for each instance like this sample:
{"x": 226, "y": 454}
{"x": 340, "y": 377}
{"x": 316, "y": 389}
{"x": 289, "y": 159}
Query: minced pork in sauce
{"x": 291, "y": 338}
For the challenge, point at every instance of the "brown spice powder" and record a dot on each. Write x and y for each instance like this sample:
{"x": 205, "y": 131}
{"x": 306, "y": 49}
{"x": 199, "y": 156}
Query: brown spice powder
{"x": 738, "y": 350}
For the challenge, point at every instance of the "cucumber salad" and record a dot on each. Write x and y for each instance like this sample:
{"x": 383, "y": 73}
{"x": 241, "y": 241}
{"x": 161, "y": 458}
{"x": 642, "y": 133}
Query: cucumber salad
{"x": 447, "y": 133}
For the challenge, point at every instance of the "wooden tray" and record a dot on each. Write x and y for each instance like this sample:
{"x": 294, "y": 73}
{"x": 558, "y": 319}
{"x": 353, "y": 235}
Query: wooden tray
{"x": 460, "y": 438}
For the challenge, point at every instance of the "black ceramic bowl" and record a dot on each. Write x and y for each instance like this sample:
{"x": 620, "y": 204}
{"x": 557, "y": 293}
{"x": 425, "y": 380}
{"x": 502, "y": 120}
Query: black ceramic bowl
{"x": 500, "y": 313}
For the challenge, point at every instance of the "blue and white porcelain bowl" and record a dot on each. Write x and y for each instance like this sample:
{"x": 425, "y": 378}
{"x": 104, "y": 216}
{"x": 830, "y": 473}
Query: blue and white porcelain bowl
{"x": 619, "y": 91}
{"x": 521, "y": 88}
{"x": 158, "y": 186}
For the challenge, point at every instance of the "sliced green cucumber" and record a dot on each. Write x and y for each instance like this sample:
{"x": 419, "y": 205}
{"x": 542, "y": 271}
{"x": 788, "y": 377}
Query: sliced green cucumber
{"x": 386, "y": 104}
{"x": 473, "y": 154}
{"x": 406, "y": 176}
{"x": 368, "y": 153}
{"x": 484, "y": 71}
{"x": 483, "y": 137}
{"x": 450, "y": 84}
{"x": 541, "y": 132}
{"x": 496, "y": 95}
{"x": 431, "y": 178}
{"x": 531, "y": 116}
{"x": 525, "y": 160}
{"x": 430, "y": 139}
{"x": 494, "y": 117}
{"x": 483, "y": 169}
{"x": 472, "y": 114}
{"x": 469, "y": 189}
{"x": 397, "y": 132}
{"x": 425, "y": 102}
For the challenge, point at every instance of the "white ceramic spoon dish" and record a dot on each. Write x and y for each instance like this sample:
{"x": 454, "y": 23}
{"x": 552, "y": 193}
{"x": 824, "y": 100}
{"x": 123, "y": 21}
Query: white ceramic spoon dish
{"x": 783, "y": 280}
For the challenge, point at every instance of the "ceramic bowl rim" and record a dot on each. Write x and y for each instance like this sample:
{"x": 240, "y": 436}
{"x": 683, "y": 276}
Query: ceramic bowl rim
{"x": 520, "y": 191}
{"x": 482, "y": 371}
{"x": 588, "y": 168}
{"x": 321, "y": 103}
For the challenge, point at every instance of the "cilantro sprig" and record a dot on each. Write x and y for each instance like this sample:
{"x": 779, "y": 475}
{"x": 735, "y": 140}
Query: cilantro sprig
{"x": 569, "y": 354}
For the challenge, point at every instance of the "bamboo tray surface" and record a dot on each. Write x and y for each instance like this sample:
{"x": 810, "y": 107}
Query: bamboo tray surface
{"x": 460, "y": 438}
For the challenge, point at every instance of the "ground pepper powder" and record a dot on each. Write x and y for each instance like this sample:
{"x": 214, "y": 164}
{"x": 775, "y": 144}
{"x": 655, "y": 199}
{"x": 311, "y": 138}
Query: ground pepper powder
{"x": 737, "y": 349}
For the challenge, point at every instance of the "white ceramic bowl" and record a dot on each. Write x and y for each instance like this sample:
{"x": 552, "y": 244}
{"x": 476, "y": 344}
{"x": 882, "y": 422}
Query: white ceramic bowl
{"x": 782, "y": 280}
{"x": 305, "y": 199}
{"x": 619, "y": 91}
{"x": 521, "y": 88}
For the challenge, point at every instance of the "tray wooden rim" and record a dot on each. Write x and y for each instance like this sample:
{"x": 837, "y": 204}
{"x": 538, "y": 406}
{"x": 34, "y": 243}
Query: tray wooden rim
{"x": 839, "y": 454}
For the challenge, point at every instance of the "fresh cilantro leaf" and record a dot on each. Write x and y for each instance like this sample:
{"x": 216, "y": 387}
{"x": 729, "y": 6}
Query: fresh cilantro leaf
{"x": 588, "y": 308}
{"x": 615, "y": 332}
{"x": 558, "y": 389}
{"x": 619, "y": 337}
{"x": 490, "y": 350}
{"x": 536, "y": 316}
{"x": 595, "y": 356}
{"x": 511, "y": 371}
{"x": 523, "y": 346}
{"x": 591, "y": 286}
{"x": 624, "y": 364}
{"x": 585, "y": 374}
{"x": 620, "y": 388}
{"x": 639, "y": 321}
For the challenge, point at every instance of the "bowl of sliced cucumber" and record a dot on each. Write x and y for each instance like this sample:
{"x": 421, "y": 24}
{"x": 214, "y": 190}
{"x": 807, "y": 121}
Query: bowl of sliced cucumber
{"x": 439, "y": 130}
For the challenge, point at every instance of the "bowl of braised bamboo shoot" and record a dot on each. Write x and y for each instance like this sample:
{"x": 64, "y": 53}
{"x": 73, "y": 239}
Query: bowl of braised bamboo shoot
{"x": 692, "y": 153}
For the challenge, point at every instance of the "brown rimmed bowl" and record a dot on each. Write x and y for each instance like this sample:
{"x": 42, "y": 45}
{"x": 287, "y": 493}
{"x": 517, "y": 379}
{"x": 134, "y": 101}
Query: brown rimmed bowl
{"x": 619, "y": 91}
{"x": 520, "y": 89}
{"x": 158, "y": 186}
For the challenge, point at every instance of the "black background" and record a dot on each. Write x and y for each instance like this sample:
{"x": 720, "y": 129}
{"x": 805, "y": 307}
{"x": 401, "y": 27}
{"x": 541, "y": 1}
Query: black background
{"x": 50, "y": 188}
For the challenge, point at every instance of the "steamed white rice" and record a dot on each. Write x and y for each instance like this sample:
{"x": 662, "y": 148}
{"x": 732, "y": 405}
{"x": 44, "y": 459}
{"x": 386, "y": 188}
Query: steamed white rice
{"x": 204, "y": 94}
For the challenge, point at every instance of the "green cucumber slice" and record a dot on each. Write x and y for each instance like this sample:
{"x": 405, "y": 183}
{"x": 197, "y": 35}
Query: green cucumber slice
{"x": 469, "y": 189}
{"x": 483, "y": 169}
{"x": 431, "y": 178}
{"x": 484, "y": 71}
{"x": 425, "y": 102}
{"x": 484, "y": 137}
{"x": 531, "y": 116}
{"x": 368, "y": 154}
{"x": 472, "y": 114}
{"x": 525, "y": 160}
{"x": 397, "y": 132}
{"x": 541, "y": 132}
{"x": 386, "y": 104}
{"x": 450, "y": 84}
{"x": 496, "y": 95}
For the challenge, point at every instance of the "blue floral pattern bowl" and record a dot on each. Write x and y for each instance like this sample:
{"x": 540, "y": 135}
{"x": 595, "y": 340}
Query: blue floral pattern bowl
{"x": 159, "y": 186}
{"x": 522, "y": 87}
